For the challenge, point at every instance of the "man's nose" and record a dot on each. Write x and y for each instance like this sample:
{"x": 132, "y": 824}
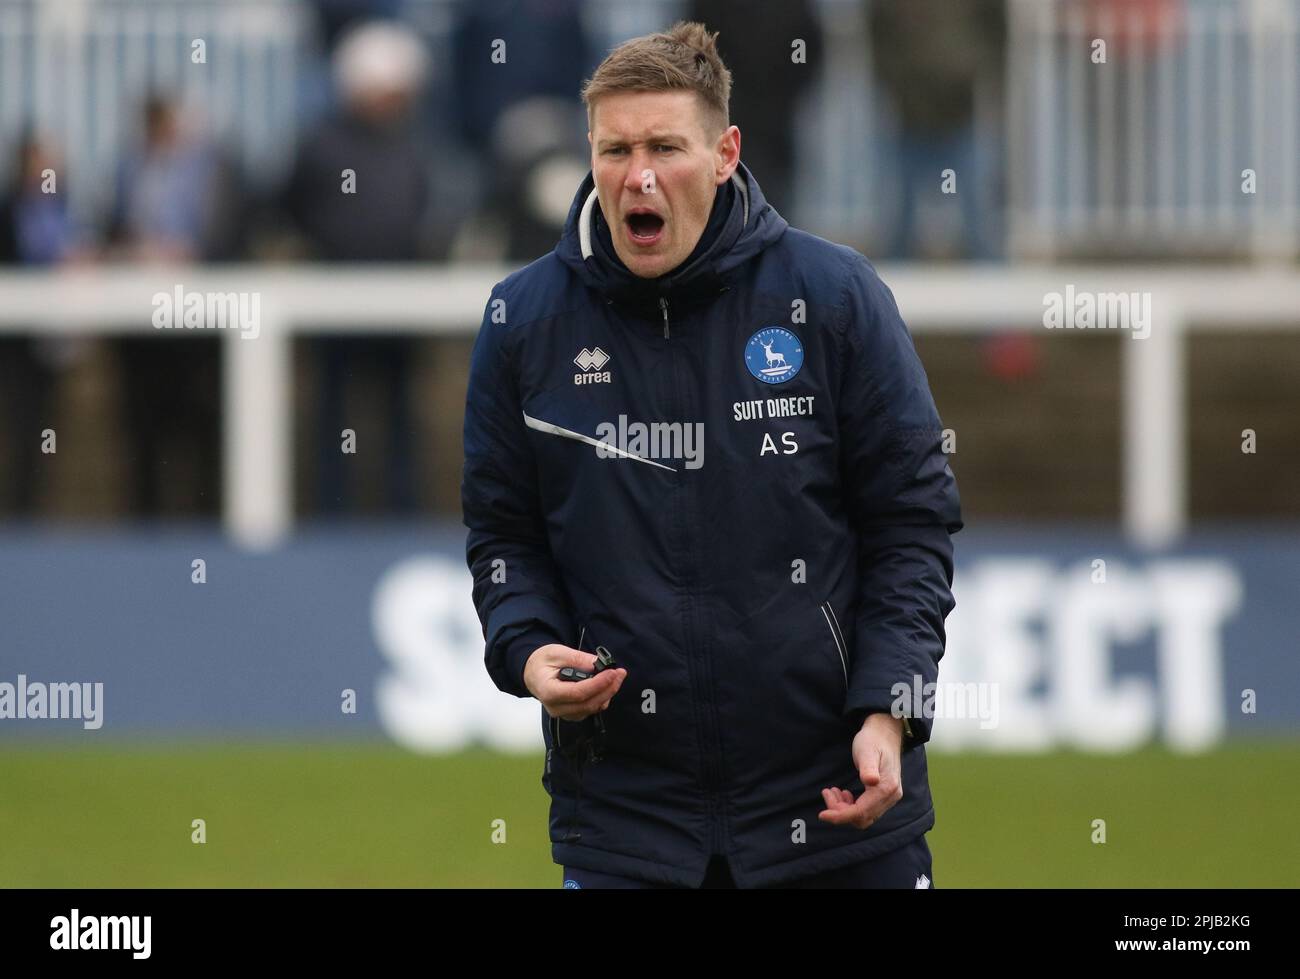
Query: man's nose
{"x": 639, "y": 173}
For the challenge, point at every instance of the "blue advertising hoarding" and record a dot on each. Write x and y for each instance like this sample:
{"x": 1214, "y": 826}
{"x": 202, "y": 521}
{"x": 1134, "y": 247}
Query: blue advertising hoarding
{"x": 1061, "y": 638}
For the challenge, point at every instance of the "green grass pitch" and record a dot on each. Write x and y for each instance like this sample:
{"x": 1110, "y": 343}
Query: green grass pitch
{"x": 373, "y": 815}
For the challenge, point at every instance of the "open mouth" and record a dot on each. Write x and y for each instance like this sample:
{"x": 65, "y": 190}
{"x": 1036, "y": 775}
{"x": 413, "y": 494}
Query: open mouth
{"x": 645, "y": 228}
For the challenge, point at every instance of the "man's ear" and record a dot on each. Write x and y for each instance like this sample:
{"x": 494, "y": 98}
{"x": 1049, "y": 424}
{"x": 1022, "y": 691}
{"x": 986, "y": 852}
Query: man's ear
{"x": 728, "y": 150}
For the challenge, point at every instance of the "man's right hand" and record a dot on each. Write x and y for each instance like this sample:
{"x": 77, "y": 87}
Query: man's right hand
{"x": 566, "y": 699}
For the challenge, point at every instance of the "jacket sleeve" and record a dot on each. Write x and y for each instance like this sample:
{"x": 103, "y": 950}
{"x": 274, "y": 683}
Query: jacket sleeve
{"x": 518, "y": 592}
{"x": 902, "y": 501}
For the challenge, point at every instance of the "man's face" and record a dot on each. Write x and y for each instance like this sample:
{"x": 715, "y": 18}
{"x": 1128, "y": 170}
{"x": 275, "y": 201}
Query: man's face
{"x": 656, "y": 172}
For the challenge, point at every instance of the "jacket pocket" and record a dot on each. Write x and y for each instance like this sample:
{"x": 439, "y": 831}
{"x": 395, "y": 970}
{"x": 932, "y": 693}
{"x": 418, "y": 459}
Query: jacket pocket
{"x": 563, "y": 781}
{"x": 837, "y": 639}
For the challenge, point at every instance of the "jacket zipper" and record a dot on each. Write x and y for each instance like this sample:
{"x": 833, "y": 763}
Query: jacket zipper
{"x": 704, "y": 683}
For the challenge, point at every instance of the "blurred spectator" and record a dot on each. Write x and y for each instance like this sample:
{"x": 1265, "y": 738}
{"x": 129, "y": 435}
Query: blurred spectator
{"x": 929, "y": 56}
{"x": 547, "y": 52}
{"x": 1145, "y": 26}
{"x": 178, "y": 196}
{"x": 767, "y": 85}
{"x": 35, "y": 230}
{"x": 535, "y": 168}
{"x": 336, "y": 16}
{"x": 333, "y": 18}
{"x": 379, "y": 212}
{"x": 360, "y": 192}
{"x": 35, "y": 226}
{"x": 178, "y": 200}
{"x": 518, "y": 66}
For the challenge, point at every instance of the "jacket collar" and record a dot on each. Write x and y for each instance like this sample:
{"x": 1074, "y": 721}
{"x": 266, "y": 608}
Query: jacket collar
{"x": 750, "y": 225}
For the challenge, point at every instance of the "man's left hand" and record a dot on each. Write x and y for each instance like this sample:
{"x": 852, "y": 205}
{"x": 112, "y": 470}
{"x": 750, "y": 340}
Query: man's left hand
{"x": 877, "y": 748}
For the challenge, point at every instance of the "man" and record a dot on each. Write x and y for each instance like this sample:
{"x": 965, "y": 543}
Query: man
{"x": 380, "y": 69}
{"x": 700, "y": 443}
{"x": 929, "y": 58}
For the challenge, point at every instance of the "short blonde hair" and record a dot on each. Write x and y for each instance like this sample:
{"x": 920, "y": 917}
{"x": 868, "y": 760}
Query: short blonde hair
{"x": 683, "y": 58}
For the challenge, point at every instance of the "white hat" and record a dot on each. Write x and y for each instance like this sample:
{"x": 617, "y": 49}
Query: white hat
{"x": 379, "y": 56}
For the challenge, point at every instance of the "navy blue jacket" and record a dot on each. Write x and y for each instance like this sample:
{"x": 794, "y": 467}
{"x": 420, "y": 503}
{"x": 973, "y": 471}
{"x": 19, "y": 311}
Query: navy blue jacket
{"x": 766, "y": 571}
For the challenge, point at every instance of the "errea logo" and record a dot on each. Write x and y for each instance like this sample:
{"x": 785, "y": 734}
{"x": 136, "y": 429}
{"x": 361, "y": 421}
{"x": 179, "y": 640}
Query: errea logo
{"x": 591, "y": 362}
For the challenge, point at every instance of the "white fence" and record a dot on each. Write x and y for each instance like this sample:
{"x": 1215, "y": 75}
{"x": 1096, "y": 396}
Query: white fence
{"x": 257, "y": 461}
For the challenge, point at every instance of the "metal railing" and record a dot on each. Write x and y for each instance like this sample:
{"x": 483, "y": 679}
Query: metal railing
{"x": 1145, "y": 151}
{"x": 1150, "y": 148}
{"x": 78, "y": 72}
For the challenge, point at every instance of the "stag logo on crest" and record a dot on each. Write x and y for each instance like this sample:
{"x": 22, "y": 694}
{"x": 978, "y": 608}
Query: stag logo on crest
{"x": 773, "y": 355}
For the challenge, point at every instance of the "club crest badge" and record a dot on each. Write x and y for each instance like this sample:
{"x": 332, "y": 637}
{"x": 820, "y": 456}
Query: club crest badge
{"x": 773, "y": 355}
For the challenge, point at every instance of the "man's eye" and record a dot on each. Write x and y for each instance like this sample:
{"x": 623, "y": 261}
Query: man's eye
{"x": 665, "y": 146}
